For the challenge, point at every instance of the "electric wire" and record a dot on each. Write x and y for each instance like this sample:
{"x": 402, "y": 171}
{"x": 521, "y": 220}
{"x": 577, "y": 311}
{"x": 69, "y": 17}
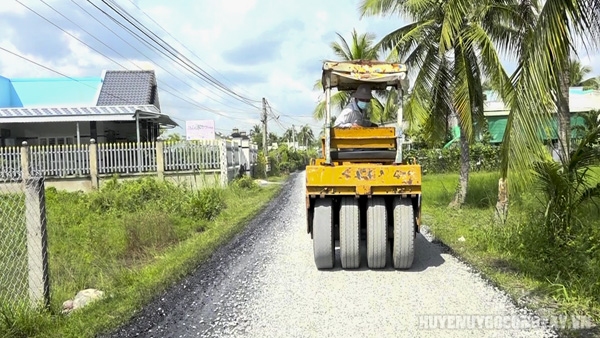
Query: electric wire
{"x": 109, "y": 58}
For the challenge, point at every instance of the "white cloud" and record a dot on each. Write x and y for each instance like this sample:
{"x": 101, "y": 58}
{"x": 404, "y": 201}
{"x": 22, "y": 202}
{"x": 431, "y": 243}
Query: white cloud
{"x": 12, "y": 7}
{"x": 298, "y": 34}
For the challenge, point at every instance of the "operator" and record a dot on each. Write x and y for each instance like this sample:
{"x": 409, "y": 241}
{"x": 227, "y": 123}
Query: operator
{"x": 355, "y": 113}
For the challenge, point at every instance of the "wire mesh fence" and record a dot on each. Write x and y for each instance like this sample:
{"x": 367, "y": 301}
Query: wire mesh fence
{"x": 23, "y": 242}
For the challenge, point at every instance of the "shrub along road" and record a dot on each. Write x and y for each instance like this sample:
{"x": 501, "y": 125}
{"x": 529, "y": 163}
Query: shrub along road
{"x": 264, "y": 284}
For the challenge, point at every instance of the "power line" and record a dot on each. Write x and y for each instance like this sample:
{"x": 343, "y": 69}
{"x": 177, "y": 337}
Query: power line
{"x": 76, "y": 80}
{"x": 137, "y": 50}
{"x": 170, "y": 50}
{"x": 141, "y": 39}
{"x": 174, "y": 38}
{"x": 109, "y": 58}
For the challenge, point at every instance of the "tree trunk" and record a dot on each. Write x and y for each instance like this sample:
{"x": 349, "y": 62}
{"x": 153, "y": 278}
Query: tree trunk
{"x": 502, "y": 203}
{"x": 563, "y": 114}
{"x": 463, "y": 180}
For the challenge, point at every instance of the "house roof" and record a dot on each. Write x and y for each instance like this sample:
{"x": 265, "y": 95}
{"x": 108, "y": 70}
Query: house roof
{"x": 579, "y": 101}
{"x": 83, "y": 114}
{"x": 119, "y": 96}
{"x": 128, "y": 88}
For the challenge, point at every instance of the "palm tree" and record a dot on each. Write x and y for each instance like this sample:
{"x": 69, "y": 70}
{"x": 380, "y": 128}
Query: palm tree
{"x": 256, "y": 135}
{"x": 306, "y": 135}
{"x": 579, "y": 75}
{"x": 288, "y": 136}
{"x": 541, "y": 83}
{"x": 451, "y": 47}
{"x": 361, "y": 47}
{"x": 559, "y": 25}
{"x": 256, "y": 129}
{"x": 273, "y": 138}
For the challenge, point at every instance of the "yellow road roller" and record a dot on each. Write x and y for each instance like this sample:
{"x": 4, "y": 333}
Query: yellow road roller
{"x": 362, "y": 190}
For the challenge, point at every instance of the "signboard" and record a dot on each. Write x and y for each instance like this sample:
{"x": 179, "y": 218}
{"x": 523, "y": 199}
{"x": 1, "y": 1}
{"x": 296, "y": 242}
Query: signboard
{"x": 200, "y": 130}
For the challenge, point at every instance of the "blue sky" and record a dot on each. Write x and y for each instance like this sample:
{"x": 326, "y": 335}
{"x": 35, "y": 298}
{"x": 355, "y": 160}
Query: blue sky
{"x": 258, "y": 48}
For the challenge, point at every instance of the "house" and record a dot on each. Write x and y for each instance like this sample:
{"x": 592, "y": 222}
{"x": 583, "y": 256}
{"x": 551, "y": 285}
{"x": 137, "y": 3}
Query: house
{"x": 496, "y": 113}
{"x": 115, "y": 107}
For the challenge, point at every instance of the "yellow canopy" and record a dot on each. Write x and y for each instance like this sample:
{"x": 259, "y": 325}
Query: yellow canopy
{"x": 347, "y": 75}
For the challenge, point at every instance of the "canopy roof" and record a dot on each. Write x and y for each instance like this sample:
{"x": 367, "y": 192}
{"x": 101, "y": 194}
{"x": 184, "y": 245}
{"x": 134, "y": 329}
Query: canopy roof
{"x": 347, "y": 75}
{"x": 83, "y": 114}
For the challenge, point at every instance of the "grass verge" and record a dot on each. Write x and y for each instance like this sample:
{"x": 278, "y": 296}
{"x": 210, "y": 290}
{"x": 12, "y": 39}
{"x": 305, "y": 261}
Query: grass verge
{"x": 131, "y": 240}
{"x": 514, "y": 255}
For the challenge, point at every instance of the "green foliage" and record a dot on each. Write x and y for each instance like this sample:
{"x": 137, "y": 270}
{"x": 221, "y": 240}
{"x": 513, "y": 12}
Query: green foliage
{"x": 285, "y": 160}
{"x": 148, "y": 232}
{"x": 483, "y": 157}
{"x": 208, "y": 203}
{"x": 18, "y": 321}
{"x": 244, "y": 182}
{"x": 133, "y": 195}
{"x": 536, "y": 245}
{"x": 260, "y": 170}
{"x": 130, "y": 239}
{"x": 567, "y": 187}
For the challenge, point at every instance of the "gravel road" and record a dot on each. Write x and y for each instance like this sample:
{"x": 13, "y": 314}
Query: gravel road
{"x": 264, "y": 284}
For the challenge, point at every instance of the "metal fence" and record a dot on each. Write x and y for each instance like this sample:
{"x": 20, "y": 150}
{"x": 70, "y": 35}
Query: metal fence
{"x": 191, "y": 155}
{"x": 126, "y": 157}
{"x": 10, "y": 163}
{"x": 60, "y": 160}
{"x": 23, "y": 243}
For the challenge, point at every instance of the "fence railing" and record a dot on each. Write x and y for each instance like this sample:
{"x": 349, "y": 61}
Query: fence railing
{"x": 95, "y": 160}
{"x": 59, "y": 161}
{"x": 192, "y": 155}
{"x": 114, "y": 158}
{"x": 10, "y": 162}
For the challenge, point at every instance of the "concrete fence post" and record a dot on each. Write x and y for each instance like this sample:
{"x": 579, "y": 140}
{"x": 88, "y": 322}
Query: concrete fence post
{"x": 224, "y": 163}
{"x": 25, "y": 160}
{"x": 37, "y": 242}
{"x": 94, "y": 163}
{"x": 160, "y": 159}
{"x": 247, "y": 162}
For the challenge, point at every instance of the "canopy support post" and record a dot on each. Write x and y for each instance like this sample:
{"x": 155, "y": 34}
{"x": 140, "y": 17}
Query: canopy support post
{"x": 400, "y": 131}
{"x": 328, "y": 118}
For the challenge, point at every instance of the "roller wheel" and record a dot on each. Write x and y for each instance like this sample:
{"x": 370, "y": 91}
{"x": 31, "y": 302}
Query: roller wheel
{"x": 349, "y": 233}
{"x": 404, "y": 233}
{"x": 323, "y": 234}
{"x": 377, "y": 241}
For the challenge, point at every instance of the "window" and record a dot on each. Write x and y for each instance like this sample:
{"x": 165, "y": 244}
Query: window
{"x": 55, "y": 140}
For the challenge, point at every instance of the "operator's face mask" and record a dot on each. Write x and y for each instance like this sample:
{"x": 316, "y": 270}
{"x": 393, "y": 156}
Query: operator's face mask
{"x": 362, "y": 104}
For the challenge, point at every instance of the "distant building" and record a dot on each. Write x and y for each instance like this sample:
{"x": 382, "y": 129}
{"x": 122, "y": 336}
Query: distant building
{"x": 118, "y": 106}
{"x": 496, "y": 113}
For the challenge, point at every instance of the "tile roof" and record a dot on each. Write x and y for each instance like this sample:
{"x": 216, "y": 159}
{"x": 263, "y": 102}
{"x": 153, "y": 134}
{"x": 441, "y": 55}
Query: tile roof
{"x": 130, "y": 87}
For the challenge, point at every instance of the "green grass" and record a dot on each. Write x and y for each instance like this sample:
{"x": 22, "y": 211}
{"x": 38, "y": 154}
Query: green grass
{"x": 514, "y": 255}
{"x": 130, "y": 240}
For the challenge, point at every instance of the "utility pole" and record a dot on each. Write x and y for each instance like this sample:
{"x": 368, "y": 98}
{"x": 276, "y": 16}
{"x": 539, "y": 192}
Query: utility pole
{"x": 264, "y": 121}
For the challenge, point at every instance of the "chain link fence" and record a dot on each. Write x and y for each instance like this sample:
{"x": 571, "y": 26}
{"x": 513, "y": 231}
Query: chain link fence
{"x": 23, "y": 242}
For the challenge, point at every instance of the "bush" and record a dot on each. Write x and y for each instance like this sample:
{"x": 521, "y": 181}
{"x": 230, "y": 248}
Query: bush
{"x": 285, "y": 160}
{"x": 208, "y": 203}
{"x": 244, "y": 182}
{"x": 148, "y": 231}
{"x": 133, "y": 195}
{"x": 484, "y": 157}
{"x": 260, "y": 170}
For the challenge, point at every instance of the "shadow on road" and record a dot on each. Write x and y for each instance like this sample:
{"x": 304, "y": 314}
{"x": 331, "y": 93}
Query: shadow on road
{"x": 427, "y": 255}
